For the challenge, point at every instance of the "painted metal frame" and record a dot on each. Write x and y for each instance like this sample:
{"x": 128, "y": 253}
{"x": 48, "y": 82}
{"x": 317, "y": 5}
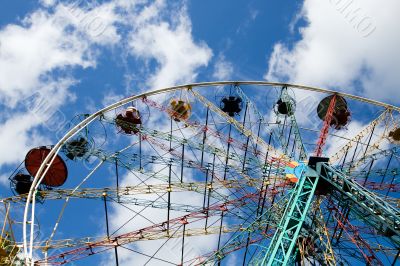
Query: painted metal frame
{"x": 28, "y": 220}
{"x": 280, "y": 251}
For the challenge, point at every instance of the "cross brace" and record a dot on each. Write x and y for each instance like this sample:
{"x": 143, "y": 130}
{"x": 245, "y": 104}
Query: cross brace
{"x": 283, "y": 243}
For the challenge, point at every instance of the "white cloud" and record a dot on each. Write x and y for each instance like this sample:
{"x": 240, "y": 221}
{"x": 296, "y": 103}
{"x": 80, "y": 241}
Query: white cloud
{"x": 251, "y": 16}
{"x": 344, "y": 42}
{"x": 96, "y": 24}
{"x": 16, "y": 134}
{"x": 18, "y": 129}
{"x": 30, "y": 51}
{"x": 223, "y": 69}
{"x": 48, "y": 3}
{"x": 110, "y": 97}
{"x": 45, "y": 41}
{"x": 171, "y": 44}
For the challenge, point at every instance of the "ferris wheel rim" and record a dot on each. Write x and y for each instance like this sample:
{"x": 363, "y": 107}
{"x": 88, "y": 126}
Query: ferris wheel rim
{"x": 30, "y": 200}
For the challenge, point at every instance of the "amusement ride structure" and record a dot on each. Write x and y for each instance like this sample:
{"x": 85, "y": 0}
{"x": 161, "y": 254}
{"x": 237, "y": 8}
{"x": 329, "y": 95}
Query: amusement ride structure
{"x": 260, "y": 173}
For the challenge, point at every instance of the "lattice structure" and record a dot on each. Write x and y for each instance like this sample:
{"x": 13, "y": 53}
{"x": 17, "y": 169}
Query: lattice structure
{"x": 325, "y": 128}
{"x": 155, "y": 175}
{"x": 280, "y": 251}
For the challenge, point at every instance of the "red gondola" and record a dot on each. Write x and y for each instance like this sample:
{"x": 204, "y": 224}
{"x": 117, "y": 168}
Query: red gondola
{"x": 129, "y": 121}
{"x": 57, "y": 173}
{"x": 341, "y": 113}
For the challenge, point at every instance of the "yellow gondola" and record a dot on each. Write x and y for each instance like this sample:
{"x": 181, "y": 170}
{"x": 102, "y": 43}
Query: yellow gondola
{"x": 180, "y": 110}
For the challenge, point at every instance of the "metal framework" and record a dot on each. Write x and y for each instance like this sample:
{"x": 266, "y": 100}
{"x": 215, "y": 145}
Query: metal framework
{"x": 325, "y": 128}
{"x": 378, "y": 210}
{"x": 369, "y": 129}
{"x": 280, "y": 251}
{"x": 239, "y": 166}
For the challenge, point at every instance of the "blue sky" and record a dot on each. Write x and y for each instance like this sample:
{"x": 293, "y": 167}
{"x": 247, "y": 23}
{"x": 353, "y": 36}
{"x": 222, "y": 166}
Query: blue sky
{"x": 82, "y": 56}
{"x": 233, "y": 41}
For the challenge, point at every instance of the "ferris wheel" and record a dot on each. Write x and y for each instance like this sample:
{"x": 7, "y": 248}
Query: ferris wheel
{"x": 216, "y": 173}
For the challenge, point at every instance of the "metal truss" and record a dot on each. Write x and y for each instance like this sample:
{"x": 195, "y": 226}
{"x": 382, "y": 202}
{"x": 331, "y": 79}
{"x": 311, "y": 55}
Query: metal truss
{"x": 325, "y": 128}
{"x": 281, "y": 248}
{"x": 357, "y": 138}
{"x": 156, "y": 231}
{"x": 274, "y": 152}
{"x": 390, "y": 124}
{"x": 374, "y": 207}
{"x": 381, "y": 214}
{"x": 316, "y": 229}
{"x": 353, "y": 235}
{"x": 123, "y": 193}
{"x": 350, "y": 166}
{"x": 260, "y": 117}
{"x": 298, "y": 140}
{"x": 146, "y": 235}
{"x": 284, "y": 144}
{"x": 250, "y": 234}
{"x": 195, "y": 144}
